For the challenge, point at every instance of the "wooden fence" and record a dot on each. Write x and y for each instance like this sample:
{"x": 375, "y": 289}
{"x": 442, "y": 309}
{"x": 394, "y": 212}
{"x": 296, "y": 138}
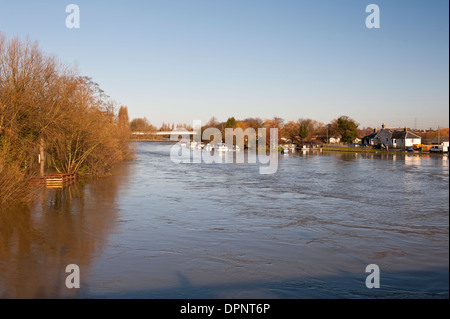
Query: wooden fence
{"x": 53, "y": 180}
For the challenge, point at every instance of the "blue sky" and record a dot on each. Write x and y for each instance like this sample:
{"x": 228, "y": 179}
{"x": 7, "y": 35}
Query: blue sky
{"x": 181, "y": 60}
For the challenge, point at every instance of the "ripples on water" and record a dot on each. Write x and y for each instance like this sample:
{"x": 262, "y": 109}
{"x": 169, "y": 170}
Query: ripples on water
{"x": 162, "y": 230}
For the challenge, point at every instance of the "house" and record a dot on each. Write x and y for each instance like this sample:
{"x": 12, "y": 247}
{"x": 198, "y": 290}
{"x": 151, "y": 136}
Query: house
{"x": 369, "y": 139}
{"x": 334, "y": 140}
{"x": 405, "y": 138}
{"x": 382, "y": 136}
{"x": 394, "y": 138}
{"x": 439, "y": 139}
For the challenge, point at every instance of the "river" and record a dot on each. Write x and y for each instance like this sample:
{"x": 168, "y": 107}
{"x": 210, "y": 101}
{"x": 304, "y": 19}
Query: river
{"x": 157, "y": 229}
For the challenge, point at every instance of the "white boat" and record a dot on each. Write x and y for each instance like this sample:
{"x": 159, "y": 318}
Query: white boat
{"x": 233, "y": 148}
{"x": 221, "y": 147}
{"x": 200, "y": 145}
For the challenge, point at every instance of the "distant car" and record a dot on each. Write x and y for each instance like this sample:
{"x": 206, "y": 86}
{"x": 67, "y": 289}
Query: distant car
{"x": 409, "y": 149}
{"x": 437, "y": 149}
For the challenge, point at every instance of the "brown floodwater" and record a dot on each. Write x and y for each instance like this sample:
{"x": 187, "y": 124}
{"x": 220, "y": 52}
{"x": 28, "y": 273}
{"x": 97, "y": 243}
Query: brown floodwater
{"x": 156, "y": 229}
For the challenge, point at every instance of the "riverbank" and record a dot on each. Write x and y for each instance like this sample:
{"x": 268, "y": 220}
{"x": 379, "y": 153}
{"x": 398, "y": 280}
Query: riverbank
{"x": 374, "y": 151}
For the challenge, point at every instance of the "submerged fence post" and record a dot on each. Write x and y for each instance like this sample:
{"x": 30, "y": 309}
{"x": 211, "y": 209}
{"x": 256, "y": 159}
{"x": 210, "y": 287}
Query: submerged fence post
{"x": 41, "y": 157}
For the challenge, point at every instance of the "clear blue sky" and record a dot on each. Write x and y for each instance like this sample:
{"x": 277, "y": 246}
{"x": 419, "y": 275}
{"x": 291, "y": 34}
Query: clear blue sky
{"x": 181, "y": 60}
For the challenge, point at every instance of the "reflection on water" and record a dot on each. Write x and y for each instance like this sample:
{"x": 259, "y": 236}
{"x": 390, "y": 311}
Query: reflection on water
{"x": 162, "y": 230}
{"x": 66, "y": 226}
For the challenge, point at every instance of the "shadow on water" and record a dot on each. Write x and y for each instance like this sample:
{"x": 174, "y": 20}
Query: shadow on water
{"x": 393, "y": 285}
{"x": 64, "y": 226}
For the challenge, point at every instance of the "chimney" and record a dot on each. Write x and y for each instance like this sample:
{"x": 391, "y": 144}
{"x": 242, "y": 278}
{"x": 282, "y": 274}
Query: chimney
{"x": 406, "y": 129}
{"x": 383, "y": 126}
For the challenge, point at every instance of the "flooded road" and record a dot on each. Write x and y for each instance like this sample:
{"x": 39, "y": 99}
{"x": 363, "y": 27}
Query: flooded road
{"x": 157, "y": 229}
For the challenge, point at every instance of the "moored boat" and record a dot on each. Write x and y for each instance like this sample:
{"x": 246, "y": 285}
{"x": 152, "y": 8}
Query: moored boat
{"x": 221, "y": 147}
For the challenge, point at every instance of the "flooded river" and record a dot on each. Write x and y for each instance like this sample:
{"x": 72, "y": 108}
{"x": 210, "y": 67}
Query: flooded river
{"x": 156, "y": 229}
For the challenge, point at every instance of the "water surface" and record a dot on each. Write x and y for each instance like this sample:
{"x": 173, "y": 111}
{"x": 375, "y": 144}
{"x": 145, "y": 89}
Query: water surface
{"x": 157, "y": 229}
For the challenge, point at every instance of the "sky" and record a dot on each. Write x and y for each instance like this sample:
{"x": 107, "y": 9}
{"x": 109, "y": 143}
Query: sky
{"x": 176, "y": 61}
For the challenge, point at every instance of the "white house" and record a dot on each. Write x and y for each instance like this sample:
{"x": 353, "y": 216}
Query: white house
{"x": 395, "y": 138}
{"x": 405, "y": 138}
{"x": 334, "y": 140}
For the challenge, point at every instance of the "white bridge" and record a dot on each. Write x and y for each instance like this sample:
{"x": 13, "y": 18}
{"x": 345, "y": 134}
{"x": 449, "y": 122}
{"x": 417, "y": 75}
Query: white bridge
{"x": 175, "y": 132}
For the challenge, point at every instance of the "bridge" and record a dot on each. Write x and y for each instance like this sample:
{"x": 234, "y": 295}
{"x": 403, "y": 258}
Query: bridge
{"x": 166, "y": 133}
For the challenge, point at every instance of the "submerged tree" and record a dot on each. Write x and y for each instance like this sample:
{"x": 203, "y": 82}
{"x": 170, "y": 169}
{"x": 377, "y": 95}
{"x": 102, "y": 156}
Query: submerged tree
{"x": 49, "y": 113}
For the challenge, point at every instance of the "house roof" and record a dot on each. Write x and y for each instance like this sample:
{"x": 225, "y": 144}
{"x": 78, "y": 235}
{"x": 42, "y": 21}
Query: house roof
{"x": 372, "y": 135}
{"x": 404, "y": 135}
{"x": 440, "y": 139}
{"x": 387, "y": 131}
{"x": 375, "y": 134}
{"x": 397, "y": 134}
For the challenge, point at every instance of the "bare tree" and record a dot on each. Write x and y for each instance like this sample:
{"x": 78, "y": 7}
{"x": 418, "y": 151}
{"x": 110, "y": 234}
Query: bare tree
{"x": 48, "y": 112}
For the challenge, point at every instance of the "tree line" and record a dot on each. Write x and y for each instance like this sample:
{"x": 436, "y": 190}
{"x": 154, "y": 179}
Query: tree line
{"x": 53, "y": 120}
{"x": 300, "y": 131}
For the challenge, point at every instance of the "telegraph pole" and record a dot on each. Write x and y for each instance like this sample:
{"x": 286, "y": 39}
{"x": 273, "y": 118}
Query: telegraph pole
{"x": 439, "y": 135}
